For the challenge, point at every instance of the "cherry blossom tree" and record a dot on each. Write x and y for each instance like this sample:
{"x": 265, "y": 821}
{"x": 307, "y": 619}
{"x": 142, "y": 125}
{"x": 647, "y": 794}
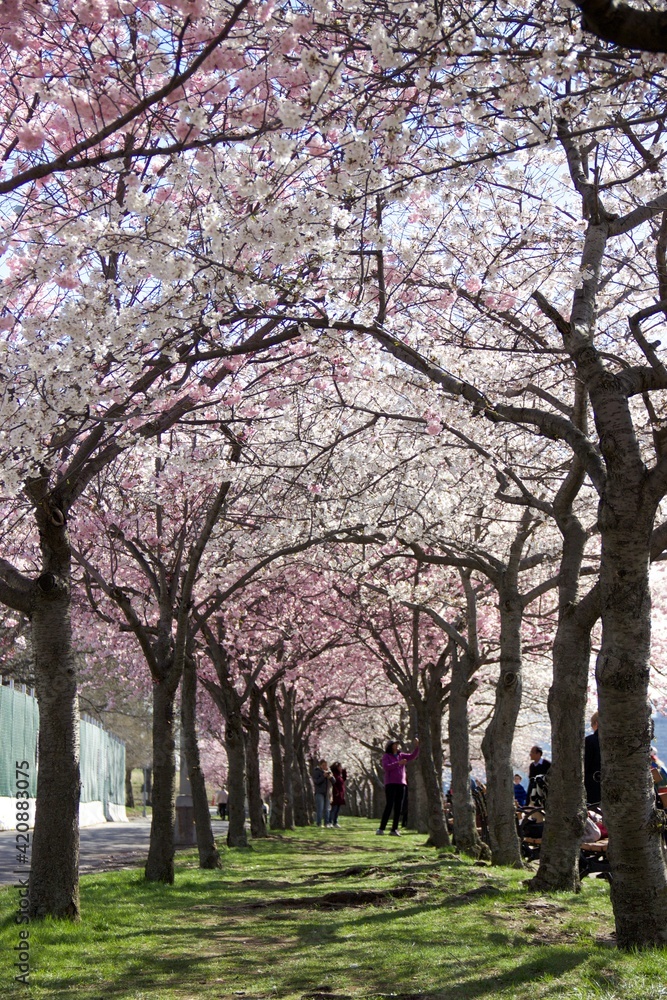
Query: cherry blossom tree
{"x": 615, "y": 450}
{"x": 417, "y": 663}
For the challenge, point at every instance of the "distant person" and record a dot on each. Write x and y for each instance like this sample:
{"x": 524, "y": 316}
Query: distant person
{"x": 395, "y": 783}
{"x": 592, "y": 764}
{"x": 520, "y": 794}
{"x": 222, "y": 801}
{"x": 539, "y": 766}
{"x": 322, "y": 781}
{"x": 339, "y": 775}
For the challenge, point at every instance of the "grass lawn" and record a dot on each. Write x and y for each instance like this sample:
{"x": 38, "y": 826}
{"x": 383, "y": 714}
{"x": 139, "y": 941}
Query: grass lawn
{"x": 267, "y": 926}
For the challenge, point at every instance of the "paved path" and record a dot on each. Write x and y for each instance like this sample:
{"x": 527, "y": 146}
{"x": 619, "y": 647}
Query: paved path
{"x": 103, "y": 847}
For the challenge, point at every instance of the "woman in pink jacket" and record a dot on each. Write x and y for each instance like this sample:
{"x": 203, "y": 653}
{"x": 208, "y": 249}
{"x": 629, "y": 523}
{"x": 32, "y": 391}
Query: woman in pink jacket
{"x": 395, "y": 783}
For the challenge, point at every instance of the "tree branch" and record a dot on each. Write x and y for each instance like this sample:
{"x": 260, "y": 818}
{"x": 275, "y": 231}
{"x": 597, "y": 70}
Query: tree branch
{"x": 15, "y": 588}
{"x": 624, "y": 25}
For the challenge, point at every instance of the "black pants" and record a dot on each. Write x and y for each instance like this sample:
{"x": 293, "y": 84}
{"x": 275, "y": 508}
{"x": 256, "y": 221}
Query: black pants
{"x": 222, "y": 810}
{"x": 394, "y": 795}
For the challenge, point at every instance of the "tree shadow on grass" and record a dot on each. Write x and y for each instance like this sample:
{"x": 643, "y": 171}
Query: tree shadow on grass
{"x": 149, "y": 976}
{"x": 155, "y": 976}
{"x": 559, "y": 962}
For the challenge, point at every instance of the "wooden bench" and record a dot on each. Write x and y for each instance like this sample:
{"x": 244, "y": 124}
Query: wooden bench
{"x": 596, "y": 847}
{"x": 593, "y": 859}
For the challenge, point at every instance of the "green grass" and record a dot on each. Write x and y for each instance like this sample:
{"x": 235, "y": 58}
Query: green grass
{"x": 469, "y": 933}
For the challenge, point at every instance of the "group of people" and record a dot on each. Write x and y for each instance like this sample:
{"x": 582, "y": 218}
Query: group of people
{"x": 534, "y": 796}
{"x": 330, "y": 781}
{"x": 329, "y": 785}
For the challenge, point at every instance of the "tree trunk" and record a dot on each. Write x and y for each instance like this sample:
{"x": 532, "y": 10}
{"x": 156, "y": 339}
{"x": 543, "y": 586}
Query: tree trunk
{"x": 54, "y": 870}
{"x": 434, "y": 811}
{"x": 639, "y": 879}
{"x": 277, "y": 819}
{"x": 378, "y": 797}
{"x": 129, "y": 793}
{"x": 160, "y": 861}
{"x": 417, "y": 802}
{"x": 289, "y": 793}
{"x": 466, "y": 837}
{"x": 288, "y": 766}
{"x": 235, "y": 746}
{"x": 435, "y": 711}
{"x": 255, "y": 804}
{"x": 497, "y": 742}
{"x": 302, "y": 817}
{"x": 566, "y": 802}
{"x": 208, "y": 852}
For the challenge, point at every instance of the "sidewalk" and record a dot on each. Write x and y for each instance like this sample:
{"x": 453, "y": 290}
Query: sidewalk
{"x": 104, "y": 847}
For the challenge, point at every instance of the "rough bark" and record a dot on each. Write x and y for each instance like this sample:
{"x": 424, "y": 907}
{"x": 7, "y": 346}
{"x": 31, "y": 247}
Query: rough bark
{"x": 417, "y": 802}
{"x": 629, "y": 496}
{"x": 435, "y": 712}
{"x": 434, "y": 809}
{"x": 289, "y": 797}
{"x": 160, "y": 861}
{"x": 129, "y": 793}
{"x": 378, "y": 800}
{"x": 566, "y": 801}
{"x": 302, "y": 812}
{"x": 236, "y": 777}
{"x": 208, "y": 852}
{"x": 639, "y": 885}
{"x": 255, "y": 804}
{"x": 466, "y": 837}
{"x": 497, "y": 742}
{"x": 54, "y": 871}
{"x": 277, "y": 818}
{"x": 288, "y": 764}
{"x": 566, "y": 804}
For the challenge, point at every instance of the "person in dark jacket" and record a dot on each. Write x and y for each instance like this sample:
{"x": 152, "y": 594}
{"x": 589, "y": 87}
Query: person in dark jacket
{"x": 339, "y": 775}
{"x": 322, "y": 782}
{"x": 519, "y": 791}
{"x": 592, "y": 764}
{"x": 539, "y": 765}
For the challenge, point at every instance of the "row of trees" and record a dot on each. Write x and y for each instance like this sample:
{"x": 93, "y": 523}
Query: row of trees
{"x": 281, "y": 276}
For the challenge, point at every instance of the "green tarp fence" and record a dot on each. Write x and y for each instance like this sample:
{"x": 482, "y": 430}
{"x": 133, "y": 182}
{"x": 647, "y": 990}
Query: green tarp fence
{"x": 102, "y": 753}
{"x": 19, "y": 724}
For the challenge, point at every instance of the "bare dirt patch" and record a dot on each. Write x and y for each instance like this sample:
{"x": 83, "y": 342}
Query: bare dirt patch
{"x": 338, "y": 899}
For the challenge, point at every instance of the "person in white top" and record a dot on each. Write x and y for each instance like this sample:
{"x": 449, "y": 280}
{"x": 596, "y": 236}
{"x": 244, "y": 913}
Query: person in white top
{"x": 221, "y": 801}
